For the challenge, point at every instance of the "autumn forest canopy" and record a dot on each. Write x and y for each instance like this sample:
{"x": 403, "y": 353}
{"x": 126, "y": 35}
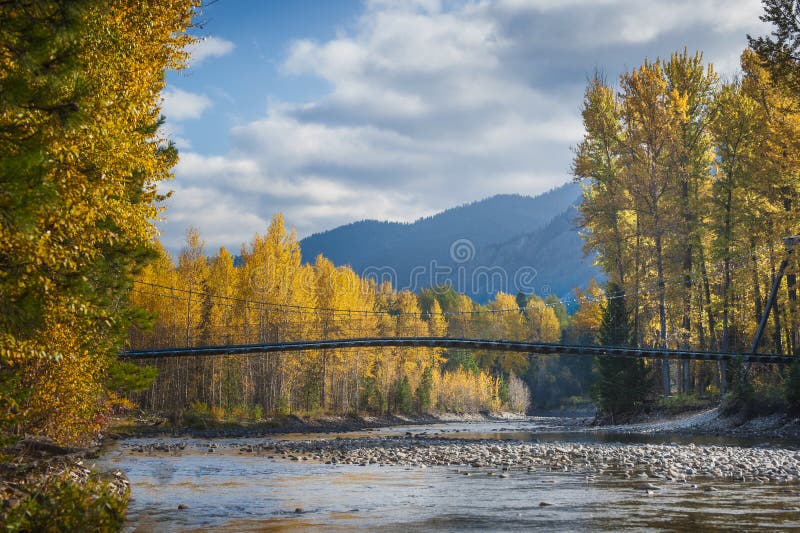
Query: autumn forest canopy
{"x": 691, "y": 182}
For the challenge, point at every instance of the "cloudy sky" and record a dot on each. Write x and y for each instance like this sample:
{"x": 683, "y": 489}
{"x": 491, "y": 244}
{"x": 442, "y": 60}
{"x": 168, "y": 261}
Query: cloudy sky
{"x": 332, "y": 112}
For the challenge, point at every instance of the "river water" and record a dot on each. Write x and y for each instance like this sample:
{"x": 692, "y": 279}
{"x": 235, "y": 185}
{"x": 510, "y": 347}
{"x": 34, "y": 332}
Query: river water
{"x": 231, "y": 490}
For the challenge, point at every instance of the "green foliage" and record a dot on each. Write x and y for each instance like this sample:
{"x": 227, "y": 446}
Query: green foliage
{"x": 461, "y": 359}
{"x": 781, "y": 50}
{"x": 622, "y": 385}
{"x": 615, "y": 329}
{"x": 749, "y": 398}
{"x": 64, "y": 505}
{"x": 200, "y": 415}
{"x": 554, "y": 379}
{"x": 197, "y": 415}
{"x": 446, "y": 295}
{"x": 126, "y": 377}
{"x": 560, "y": 310}
{"x": 312, "y": 395}
{"x": 742, "y": 394}
{"x": 576, "y": 402}
{"x": 712, "y": 391}
{"x": 522, "y": 301}
{"x": 680, "y": 403}
{"x": 792, "y": 388}
{"x": 281, "y": 408}
{"x": 403, "y": 399}
{"x": 422, "y": 396}
{"x": 369, "y": 396}
{"x": 502, "y": 391}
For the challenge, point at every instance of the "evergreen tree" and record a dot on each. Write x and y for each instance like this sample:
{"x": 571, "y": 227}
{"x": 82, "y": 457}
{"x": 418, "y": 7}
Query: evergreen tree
{"x": 423, "y": 392}
{"x": 403, "y": 399}
{"x": 781, "y": 50}
{"x": 622, "y": 384}
{"x": 793, "y": 388}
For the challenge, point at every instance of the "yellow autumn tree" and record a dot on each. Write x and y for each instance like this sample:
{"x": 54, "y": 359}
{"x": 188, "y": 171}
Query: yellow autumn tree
{"x": 219, "y": 320}
{"x": 543, "y": 325}
{"x": 80, "y": 158}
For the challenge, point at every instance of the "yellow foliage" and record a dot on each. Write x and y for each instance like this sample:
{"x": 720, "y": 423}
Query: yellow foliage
{"x": 273, "y": 297}
{"x": 463, "y": 391}
{"x": 80, "y": 159}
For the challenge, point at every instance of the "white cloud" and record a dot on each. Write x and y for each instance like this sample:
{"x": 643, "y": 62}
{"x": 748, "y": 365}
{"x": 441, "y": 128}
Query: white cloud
{"x": 433, "y": 105}
{"x": 181, "y": 105}
{"x": 206, "y": 47}
{"x": 217, "y": 216}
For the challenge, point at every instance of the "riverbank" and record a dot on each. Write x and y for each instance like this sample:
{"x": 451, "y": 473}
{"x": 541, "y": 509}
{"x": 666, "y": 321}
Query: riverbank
{"x": 537, "y": 472}
{"x": 712, "y": 422}
{"x": 42, "y": 484}
{"x": 709, "y": 422}
{"x": 125, "y": 428}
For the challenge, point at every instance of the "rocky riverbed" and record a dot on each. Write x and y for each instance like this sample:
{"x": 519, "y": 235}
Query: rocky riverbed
{"x": 543, "y": 474}
{"x": 669, "y": 462}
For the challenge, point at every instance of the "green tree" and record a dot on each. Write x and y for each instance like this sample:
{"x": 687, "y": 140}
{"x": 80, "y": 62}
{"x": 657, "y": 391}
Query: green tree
{"x": 781, "y": 50}
{"x": 403, "y": 399}
{"x": 793, "y": 388}
{"x": 622, "y": 384}
{"x": 461, "y": 359}
{"x": 124, "y": 378}
{"x": 422, "y": 396}
{"x": 559, "y": 309}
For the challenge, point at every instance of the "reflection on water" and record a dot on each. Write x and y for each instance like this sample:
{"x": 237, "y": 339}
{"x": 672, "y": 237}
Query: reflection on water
{"x": 227, "y": 491}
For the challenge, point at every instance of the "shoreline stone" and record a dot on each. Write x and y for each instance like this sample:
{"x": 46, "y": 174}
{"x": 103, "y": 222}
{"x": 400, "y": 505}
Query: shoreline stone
{"x": 652, "y": 462}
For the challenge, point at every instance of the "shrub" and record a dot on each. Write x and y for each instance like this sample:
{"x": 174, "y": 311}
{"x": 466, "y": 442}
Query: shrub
{"x": 750, "y": 399}
{"x": 197, "y": 415}
{"x": 281, "y": 407}
{"x": 519, "y": 395}
{"x": 61, "y": 504}
{"x": 217, "y": 413}
{"x": 680, "y": 403}
{"x": 712, "y": 391}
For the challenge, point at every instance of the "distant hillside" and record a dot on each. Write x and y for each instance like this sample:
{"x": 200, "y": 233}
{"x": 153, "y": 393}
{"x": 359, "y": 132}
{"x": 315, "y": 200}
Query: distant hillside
{"x": 554, "y": 251}
{"x": 480, "y": 248}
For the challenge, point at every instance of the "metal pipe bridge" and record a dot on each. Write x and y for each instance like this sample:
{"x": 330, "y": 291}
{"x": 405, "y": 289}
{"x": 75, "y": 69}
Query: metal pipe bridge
{"x": 536, "y": 348}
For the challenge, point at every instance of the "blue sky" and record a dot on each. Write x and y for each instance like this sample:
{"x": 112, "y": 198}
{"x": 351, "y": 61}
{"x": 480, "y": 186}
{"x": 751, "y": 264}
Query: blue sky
{"x": 332, "y": 112}
{"x": 247, "y": 74}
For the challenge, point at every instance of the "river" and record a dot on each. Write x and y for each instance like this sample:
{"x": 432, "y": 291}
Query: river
{"x": 227, "y": 487}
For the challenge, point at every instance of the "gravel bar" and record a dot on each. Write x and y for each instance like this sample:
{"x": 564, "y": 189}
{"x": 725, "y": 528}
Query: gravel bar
{"x": 658, "y": 461}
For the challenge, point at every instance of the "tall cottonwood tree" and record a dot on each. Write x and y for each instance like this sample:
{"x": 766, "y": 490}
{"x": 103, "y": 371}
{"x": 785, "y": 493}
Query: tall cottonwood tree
{"x": 691, "y": 86}
{"x": 689, "y": 187}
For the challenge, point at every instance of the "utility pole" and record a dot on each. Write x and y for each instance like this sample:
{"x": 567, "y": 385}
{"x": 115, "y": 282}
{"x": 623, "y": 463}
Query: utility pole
{"x": 189, "y": 318}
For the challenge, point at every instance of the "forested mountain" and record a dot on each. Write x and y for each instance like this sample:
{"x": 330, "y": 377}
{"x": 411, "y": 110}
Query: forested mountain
{"x": 508, "y": 232}
{"x": 554, "y": 250}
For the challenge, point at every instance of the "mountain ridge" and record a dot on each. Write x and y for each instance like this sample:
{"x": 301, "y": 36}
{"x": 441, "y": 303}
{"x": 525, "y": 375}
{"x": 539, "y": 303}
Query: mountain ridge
{"x": 479, "y": 247}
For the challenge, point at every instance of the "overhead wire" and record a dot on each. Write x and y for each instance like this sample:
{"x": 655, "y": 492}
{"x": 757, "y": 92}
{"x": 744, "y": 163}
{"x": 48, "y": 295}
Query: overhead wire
{"x": 650, "y": 288}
